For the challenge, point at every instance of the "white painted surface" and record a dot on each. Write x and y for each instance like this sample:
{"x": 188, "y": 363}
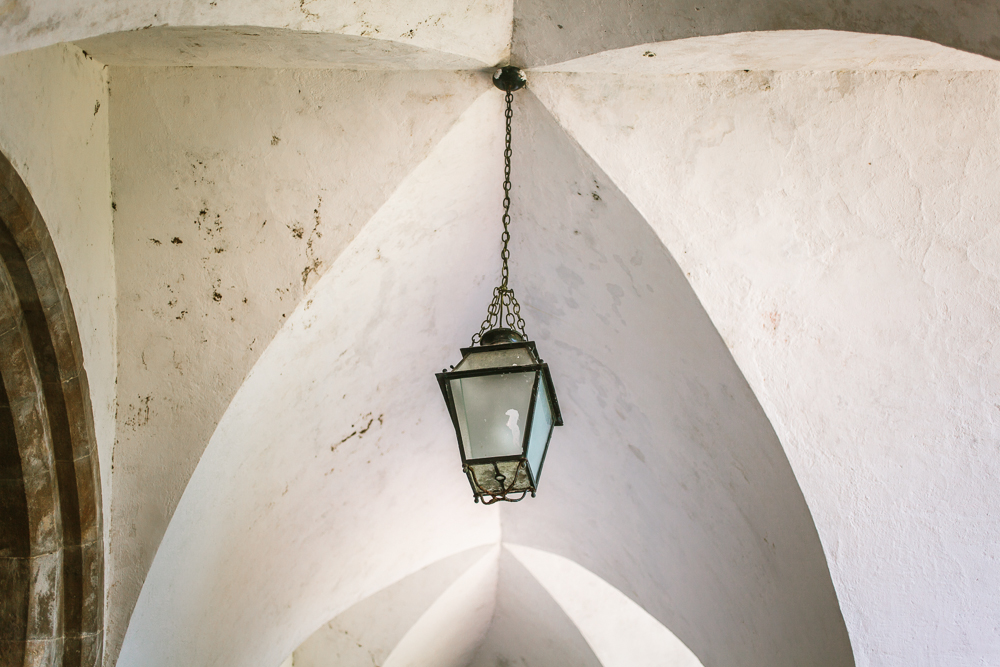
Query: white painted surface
{"x": 528, "y": 627}
{"x": 860, "y": 300}
{"x": 479, "y": 30}
{"x": 366, "y": 634}
{"x": 658, "y": 417}
{"x": 281, "y": 483}
{"x": 442, "y": 615}
{"x": 621, "y": 633}
{"x": 449, "y": 633}
{"x": 235, "y": 190}
{"x": 697, "y": 509}
{"x": 840, "y": 230}
{"x": 547, "y": 32}
{"x": 54, "y": 130}
{"x": 824, "y": 50}
{"x": 226, "y": 46}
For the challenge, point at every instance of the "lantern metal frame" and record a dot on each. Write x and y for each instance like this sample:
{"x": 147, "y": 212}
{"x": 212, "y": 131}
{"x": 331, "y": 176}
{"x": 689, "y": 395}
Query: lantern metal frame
{"x": 507, "y": 492}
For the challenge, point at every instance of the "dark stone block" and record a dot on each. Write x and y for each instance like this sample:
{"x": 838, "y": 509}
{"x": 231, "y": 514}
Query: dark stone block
{"x": 44, "y": 614}
{"x": 15, "y": 537}
{"x": 44, "y": 522}
{"x": 77, "y": 418}
{"x": 72, "y": 590}
{"x": 92, "y": 606}
{"x": 12, "y": 653}
{"x": 10, "y": 456}
{"x": 15, "y": 592}
{"x": 58, "y": 424}
{"x": 68, "y": 507}
{"x": 44, "y": 652}
{"x": 87, "y": 499}
{"x": 91, "y": 650}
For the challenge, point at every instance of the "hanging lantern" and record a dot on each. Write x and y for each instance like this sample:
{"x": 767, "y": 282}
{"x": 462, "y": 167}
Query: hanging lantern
{"x": 500, "y": 396}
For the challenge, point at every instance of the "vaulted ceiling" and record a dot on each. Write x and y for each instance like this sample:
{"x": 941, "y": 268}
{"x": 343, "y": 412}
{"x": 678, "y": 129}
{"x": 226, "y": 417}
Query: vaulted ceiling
{"x": 755, "y": 244}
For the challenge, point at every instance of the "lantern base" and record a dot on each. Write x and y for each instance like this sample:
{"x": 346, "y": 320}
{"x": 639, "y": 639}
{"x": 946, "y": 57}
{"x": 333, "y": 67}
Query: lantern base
{"x": 503, "y": 480}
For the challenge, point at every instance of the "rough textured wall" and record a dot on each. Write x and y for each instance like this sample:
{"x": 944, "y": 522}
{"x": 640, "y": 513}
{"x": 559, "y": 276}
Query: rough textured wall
{"x": 337, "y": 454}
{"x": 234, "y": 191}
{"x": 840, "y": 229}
{"x": 552, "y": 31}
{"x": 332, "y": 473}
{"x": 479, "y": 30}
{"x": 780, "y": 50}
{"x": 667, "y": 480}
{"x": 227, "y": 46}
{"x": 54, "y": 130}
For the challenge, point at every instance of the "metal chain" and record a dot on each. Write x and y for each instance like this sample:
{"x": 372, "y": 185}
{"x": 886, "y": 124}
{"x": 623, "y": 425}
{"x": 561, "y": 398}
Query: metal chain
{"x": 505, "y": 253}
{"x": 504, "y": 310}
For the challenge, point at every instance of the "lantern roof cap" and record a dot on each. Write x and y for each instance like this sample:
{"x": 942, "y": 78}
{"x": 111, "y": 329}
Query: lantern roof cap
{"x": 501, "y": 335}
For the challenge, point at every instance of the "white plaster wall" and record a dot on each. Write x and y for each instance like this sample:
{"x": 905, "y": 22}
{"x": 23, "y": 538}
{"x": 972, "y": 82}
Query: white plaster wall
{"x": 454, "y": 626}
{"x": 620, "y": 632}
{"x": 479, "y": 608}
{"x": 479, "y": 30}
{"x": 667, "y": 480}
{"x": 227, "y": 46}
{"x": 295, "y": 512}
{"x": 840, "y": 229}
{"x": 837, "y": 227}
{"x": 552, "y": 31}
{"x": 368, "y": 632}
{"x": 293, "y": 515}
{"x": 235, "y": 190}
{"x": 784, "y": 50}
{"x": 529, "y": 627}
{"x": 54, "y": 130}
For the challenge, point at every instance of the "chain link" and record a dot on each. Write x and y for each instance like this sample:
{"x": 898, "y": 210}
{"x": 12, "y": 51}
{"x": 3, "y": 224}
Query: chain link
{"x": 504, "y": 310}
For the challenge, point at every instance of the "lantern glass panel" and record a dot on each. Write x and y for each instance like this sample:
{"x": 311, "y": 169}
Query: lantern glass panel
{"x": 492, "y": 412}
{"x": 541, "y": 429}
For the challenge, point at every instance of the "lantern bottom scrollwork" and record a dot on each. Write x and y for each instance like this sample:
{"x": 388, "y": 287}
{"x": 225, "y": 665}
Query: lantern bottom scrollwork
{"x": 500, "y": 480}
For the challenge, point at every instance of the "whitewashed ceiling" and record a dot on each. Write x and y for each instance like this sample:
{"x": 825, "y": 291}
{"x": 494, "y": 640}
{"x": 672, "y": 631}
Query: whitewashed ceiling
{"x": 762, "y": 266}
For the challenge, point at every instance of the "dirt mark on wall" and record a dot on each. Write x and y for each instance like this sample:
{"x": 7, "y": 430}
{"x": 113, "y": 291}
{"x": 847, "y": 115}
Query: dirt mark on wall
{"x": 12, "y": 12}
{"x": 138, "y": 413}
{"x": 362, "y": 427}
{"x": 315, "y": 263}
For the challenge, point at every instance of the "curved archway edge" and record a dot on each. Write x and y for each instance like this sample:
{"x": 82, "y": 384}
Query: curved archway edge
{"x": 41, "y": 362}
{"x": 547, "y": 32}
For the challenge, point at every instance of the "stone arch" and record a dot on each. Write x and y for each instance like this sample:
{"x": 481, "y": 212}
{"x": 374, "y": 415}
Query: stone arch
{"x": 51, "y": 538}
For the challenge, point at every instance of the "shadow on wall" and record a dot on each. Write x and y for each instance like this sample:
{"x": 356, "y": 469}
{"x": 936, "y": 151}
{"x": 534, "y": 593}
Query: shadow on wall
{"x": 667, "y": 480}
{"x": 495, "y": 606}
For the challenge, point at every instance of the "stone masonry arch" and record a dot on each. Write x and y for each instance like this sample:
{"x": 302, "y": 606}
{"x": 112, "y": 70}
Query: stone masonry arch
{"x": 51, "y": 540}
